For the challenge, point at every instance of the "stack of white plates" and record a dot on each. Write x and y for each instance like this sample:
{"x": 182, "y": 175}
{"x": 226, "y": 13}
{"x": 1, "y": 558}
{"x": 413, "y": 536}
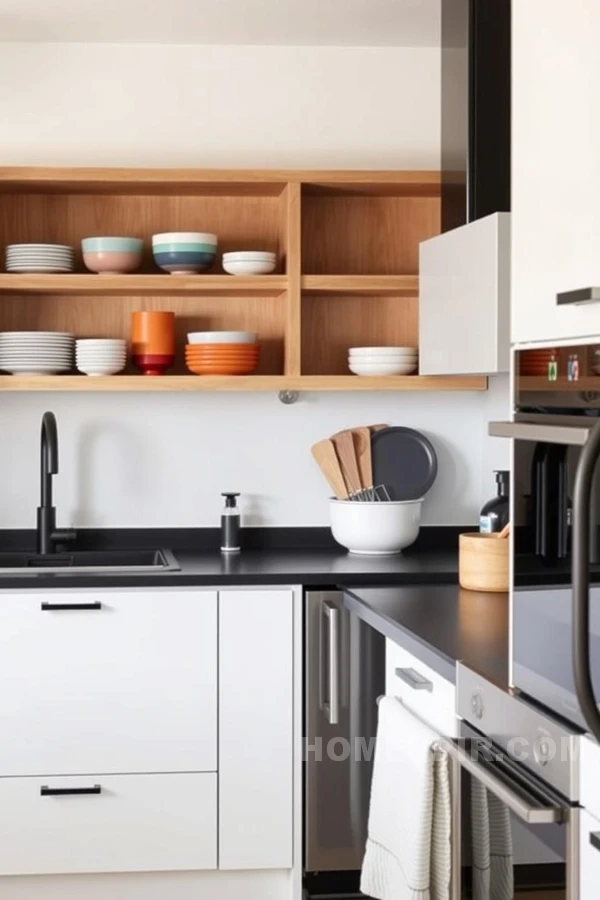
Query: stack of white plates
{"x": 50, "y": 258}
{"x": 383, "y": 360}
{"x": 101, "y": 356}
{"x": 36, "y": 352}
{"x": 250, "y": 262}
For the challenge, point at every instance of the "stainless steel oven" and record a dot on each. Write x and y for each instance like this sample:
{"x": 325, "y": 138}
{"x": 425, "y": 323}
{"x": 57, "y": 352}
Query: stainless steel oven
{"x": 555, "y": 512}
{"x": 517, "y": 782}
{"x": 344, "y": 675}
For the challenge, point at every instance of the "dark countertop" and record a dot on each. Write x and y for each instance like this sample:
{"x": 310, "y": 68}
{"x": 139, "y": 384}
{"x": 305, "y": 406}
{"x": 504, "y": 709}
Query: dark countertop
{"x": 323, "y": 567}
{"x": 440, "y": 624}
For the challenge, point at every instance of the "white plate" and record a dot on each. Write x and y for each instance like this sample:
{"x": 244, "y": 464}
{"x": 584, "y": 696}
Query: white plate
{"x": 39, "y": 270}
{"x": 40, "y": 247}
{"x": 221, "y": 337}
{"x": 43, "y": 360}
{"x": 383, "y": 351}
{"x": 34, "y": 369}
{"x": 45, "y": 257}
{"x": 37, "y": 345}
{"x": 26, "y": 334}
{"x": 383, "y": 369}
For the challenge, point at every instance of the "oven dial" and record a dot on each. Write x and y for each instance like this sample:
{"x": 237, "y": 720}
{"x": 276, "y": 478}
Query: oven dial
{"x": 542, "y": 752}
{"x": 477, "y": 705}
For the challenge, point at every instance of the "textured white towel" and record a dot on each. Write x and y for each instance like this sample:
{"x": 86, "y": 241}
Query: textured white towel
{"x": 408, "y": 855}
{"x": 493, "y": 874}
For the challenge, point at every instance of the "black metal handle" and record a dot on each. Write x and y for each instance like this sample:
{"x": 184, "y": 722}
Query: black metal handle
{"x": 582, "y": 671}
{"x": 46, "y": 791}
{"x": 53, "y": 607}
{"x": 595, "y": 839}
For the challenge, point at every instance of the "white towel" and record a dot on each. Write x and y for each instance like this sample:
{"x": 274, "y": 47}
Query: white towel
{"x": 408, "y": 855}
{"x": 493, "y": 873}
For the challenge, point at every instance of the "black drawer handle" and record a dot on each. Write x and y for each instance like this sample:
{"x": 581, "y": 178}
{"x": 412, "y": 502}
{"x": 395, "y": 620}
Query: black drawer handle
{"x": 595, "y": 839}
{"x": 46, "y": 791}
{"x": 53, "y": 607}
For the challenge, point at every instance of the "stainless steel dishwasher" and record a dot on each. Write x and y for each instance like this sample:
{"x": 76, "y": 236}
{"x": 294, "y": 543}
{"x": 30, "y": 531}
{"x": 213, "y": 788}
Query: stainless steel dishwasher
{"x": 344, "y": 675}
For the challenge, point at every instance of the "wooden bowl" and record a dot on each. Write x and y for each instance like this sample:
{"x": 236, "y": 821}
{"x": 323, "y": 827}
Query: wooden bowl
{"x": 483, "y": 562}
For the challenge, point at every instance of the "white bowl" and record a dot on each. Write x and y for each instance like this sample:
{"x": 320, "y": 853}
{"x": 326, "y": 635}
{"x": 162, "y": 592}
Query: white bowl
{"x": 386, "y": 360}
{"x": 184, "y": 237}
{"x": 375, "y": 528}
{"x": 221, "y": 337}
{"x": 250, "y": 267}
{"x": 383, "y": 368}
{"x": 383, "y": 351}
{"x": 99, "y": 369}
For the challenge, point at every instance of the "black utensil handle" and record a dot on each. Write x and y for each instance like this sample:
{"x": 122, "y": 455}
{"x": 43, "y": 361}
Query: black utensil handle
{"x": 53, "y": 607}
{"x": 582, "y": 671}
{"x": 595, "y": 839}
{"x": 46, "y": 791}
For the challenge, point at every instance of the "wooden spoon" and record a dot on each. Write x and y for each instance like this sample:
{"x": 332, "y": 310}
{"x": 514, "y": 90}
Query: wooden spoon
{"x": 362, "y": 450}
{"x": 505, "y": 531}
{"x": 344, "y": 447}
{"x": 329, "y": 464}
{"x": 374, "y": 428}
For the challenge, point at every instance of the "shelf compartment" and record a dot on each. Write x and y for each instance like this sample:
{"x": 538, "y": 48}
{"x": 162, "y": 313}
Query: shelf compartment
{"x": 357, "y": 285}
{"x": 331, "y": 324}
{"x": 155, "y": 285}
{"x": 539, "y": 384}
{"x": 139, "y": 383}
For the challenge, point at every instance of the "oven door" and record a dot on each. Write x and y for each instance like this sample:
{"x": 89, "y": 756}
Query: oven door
{"x": 517, "y": 835}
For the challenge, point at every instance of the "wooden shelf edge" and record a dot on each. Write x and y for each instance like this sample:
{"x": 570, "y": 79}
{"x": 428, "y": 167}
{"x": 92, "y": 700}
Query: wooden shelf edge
{"x": 406, "y": 285}
{"x": 137, "y": 383}
{"x": 119, "y": 285}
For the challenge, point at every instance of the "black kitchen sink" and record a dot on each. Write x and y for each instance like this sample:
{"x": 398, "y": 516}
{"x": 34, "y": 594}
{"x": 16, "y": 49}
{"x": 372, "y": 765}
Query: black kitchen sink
{"x": 88, "y": 561}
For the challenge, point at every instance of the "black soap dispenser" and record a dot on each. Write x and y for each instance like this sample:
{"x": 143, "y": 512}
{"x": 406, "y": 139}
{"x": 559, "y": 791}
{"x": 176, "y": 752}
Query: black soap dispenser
{"x": 230, "y": 524}
{"x": 496, "y": 512}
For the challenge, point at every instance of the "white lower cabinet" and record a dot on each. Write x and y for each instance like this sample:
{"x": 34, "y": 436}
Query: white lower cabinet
{"x": 256, "y": 701}
{"x": 422, "y": 690}
{"x": 137, "y": 823}
{"x": 108, "y": 681}
{"x": 589, "y": 857}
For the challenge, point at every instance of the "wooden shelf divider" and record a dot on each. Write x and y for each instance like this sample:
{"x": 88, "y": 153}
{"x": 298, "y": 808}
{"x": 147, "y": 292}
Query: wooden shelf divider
{"x": 292, "y": 233}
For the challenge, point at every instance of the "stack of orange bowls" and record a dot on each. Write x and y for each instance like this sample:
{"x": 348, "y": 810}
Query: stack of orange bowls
{"x": 222, "y": 353}
{"x": 536, "y": 362}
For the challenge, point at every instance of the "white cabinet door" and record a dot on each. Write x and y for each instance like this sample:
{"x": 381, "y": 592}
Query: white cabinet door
{"x": 126, "y": 683}
{"x": 555, "y": 166}
{"x": 256, "y": 749}
{"x": 423, "y": 691}
{"x": 133, "y": 823}
{"x": 464, "y": 299}
{"x": 589, "y": 857}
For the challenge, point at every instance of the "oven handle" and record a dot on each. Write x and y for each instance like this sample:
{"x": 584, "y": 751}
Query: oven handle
{"x": 532, "y": 814}
{"x": 582, "y": 492}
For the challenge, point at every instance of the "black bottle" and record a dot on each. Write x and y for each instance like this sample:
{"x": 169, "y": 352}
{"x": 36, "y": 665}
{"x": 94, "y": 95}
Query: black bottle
{"x": 230, "y": 525}
{"x": 496, "y": 512}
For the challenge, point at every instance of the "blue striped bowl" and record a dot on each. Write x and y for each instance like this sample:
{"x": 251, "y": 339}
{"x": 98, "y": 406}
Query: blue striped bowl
{"x": 182, "y": 262}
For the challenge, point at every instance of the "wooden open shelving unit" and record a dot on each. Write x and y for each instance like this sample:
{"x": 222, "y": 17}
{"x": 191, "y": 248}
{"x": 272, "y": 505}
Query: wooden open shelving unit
{"x": 347, "y": 244}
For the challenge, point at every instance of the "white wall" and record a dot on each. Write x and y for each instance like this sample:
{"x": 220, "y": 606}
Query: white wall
{"x": 130, "y": 460}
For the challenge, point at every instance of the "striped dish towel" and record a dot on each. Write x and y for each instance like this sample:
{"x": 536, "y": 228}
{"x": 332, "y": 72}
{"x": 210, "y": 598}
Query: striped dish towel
{"x": 408, "y": 853}
{"x": 493, "y": 873}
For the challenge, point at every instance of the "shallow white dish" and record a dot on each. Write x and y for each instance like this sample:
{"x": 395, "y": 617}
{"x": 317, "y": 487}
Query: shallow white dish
{"x": 383, "y": 351}
{"x": 375, "y": 528}
{"x": 34, "y": 369}
{"x": 383, "y": 369}
{"x": 26, "y": 334}
{"x": 40, "y": 270}
{"x": 250, "y": 266}
{"x": 100, "y": 369}
{"x": 64, "y": 247}
{"x": 39, "y": 257}
{"x": 221, "y": 337}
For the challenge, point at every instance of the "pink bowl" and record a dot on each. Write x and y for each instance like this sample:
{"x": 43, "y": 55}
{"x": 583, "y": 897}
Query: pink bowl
{"x": 112, "y": 262}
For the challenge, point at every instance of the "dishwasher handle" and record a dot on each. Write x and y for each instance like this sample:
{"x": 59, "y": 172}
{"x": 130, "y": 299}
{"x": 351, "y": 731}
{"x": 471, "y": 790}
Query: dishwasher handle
{"x": 527, "y": 801}
{"x": 331, "y": 706}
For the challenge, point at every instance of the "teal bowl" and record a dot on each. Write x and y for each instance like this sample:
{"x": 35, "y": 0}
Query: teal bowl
{"x": 112, "y": 245}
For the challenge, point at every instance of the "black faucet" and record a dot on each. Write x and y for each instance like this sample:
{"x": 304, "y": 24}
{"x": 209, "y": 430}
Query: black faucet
{"x": 47, "y": 535}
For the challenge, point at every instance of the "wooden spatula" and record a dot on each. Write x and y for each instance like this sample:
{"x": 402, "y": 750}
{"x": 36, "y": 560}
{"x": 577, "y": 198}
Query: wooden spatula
{"x": 344, "y": 447}
{"x": 373, "y": 428}
{"x": 327, "y": 460}
{"x": 362, "y": 451}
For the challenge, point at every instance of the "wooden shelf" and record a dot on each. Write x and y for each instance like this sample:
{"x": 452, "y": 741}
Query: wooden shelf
{"x": 238, "y": 383}
{"x": 539, "y": 384}
{"x": 138, "y": 285}
{"x": 353, "y": 285}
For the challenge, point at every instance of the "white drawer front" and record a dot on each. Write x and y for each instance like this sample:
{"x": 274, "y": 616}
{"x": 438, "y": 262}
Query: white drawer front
{"x": 590, "y": 858}
{"x": 421, "y": 689}
{"x": 136, "y": 823}
{"x": 127, "y": 687}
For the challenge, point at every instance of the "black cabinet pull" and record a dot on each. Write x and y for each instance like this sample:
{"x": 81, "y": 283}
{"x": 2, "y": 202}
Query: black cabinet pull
{"x": 595, "y": 839}
{"x": 53, "y": 607}
{"x": 46, "y": 791}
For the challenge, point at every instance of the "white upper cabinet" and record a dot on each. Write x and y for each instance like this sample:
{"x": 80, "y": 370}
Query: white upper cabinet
{"x": 464, "y": 299}
{"x": 555, "y": 167}
{"x": 108, "y": 681}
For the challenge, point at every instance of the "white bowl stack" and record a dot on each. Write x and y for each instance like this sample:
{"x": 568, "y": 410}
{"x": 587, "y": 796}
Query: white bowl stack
{"x": 52, "y": 259}
{"x": 36, "y": 352}
{"x": 100, "y": 356}
{"x": 383, "y": 360}
{"x": 250, "y": 262}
